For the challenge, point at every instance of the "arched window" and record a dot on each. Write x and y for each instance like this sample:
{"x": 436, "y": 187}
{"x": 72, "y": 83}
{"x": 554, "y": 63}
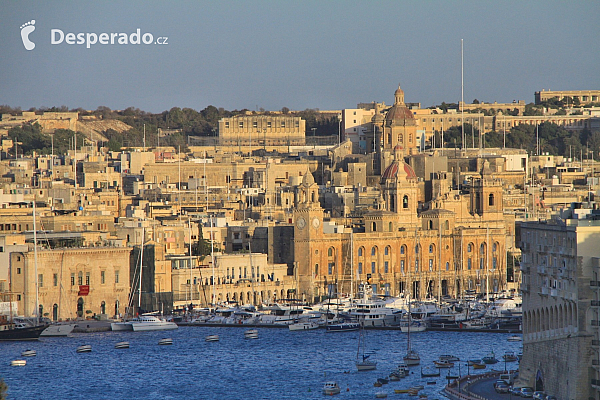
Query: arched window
{"x": 330, "y": 252}
{"x": 360, "y": 251}
{"x": 373, "y": 250}
{"x": 402, "y": 249}
{"x": 491, "y": 199}
{"x": 405, "y": 201}
{"x": 417, "y": 249}
{"x": 447, "y": 266}
{"x": 374, "y": 227}
{"x": 430, "y": 224}
{"x": 386, "y": 251}
{"x": 482, "y": 248}
{"x": 316, "y": 269}
{"x": 430, "y": 248}
{"x": 390, "y": 227}
{"x": 495, "y": 246}
{"x": 401, "y": 138}
{"x": 469, "y": 247}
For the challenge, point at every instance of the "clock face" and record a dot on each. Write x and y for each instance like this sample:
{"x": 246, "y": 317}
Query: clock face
{"x": 316, "y": 222}
{"x": 301, "y": 223}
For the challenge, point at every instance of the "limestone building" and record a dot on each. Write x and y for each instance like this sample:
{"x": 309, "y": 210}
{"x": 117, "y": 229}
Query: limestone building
{"x": 248, "y": 131}
{"x": 561, "y": 281}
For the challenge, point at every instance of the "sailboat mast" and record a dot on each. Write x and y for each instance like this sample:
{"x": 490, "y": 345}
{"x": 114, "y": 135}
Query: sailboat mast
{"x": 351, "y": 263}
{"x": 37, "y": 300}
{"x": 190, "y": 265}
{"x": 487, "y": 266}
{"x": 141, "y": 267}
{"x": 212, "y": 255}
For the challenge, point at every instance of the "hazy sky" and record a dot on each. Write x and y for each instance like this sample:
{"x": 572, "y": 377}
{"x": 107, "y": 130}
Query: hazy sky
{"x": 297, "y": 54}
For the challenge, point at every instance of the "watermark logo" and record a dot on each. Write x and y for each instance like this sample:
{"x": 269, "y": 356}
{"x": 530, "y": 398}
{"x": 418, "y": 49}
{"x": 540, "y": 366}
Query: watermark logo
{"x": 26, "y": 29}
{"x": 89, "y": 39}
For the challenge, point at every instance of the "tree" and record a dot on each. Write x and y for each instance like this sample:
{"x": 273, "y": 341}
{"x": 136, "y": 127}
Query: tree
{"x": 285, "y": 110}
{"x": 30, "y": 137}
{"x": 475, "y": 101}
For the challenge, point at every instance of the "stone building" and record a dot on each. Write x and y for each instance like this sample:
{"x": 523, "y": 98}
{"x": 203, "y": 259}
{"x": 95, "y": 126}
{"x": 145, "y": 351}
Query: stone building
{"x": 560, "y": 267}
{"x": 584, "y": 96}
{"x": 251, "y": 131}
{"x": 457, "y": 244}
{"x": 71, "y": 281}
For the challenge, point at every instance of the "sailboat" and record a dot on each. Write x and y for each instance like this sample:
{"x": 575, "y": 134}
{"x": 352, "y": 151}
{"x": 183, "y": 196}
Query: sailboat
{"x": 411, "y": 357}
{"x": 362, "y": 359}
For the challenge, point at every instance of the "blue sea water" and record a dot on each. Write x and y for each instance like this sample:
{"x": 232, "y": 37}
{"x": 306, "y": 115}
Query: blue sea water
{"x": 279, "y": 365}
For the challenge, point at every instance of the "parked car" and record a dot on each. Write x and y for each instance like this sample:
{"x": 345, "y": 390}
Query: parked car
{"x": 515, "y": 391}
{"x": 550, "y": 397}
{"x": 502, "y": 388}
{"x": 500, "y": 381}
{"x": 526, "y": 392}
{"x": 539, "y": 395}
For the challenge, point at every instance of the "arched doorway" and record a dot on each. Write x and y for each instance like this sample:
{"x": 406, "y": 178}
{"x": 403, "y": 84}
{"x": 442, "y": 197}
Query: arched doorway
{"x": 103, "y": 307}
{"x": 80, "y": 308}
{"x": 55, "y": 312}
{"x": 539, "y": 381}
{"x": 117, "y": 308}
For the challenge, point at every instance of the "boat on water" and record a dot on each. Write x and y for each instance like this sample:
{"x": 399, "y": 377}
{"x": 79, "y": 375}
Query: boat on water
{"x": 412, "y": 357}
{"x": 151, "y": 322}
{"x": 211, "y": 338}
{"x": 165, "y": 341}
{"x": 86, "y": 348}
{"x": 374, "y": 312}
{"x": 363, "y": 363}
{"x": 510, "y": 356}
{"x": 251, "y": 334}
{"x": 122, "y": 345}
{"x": 515, "y": 338}
{"x": 28, "y": 353}
{"x": 18, "y": 363}
{"x": 490, "y": 358}
{"x": 449, "y": 357}
{"x": 443, "y": 364}
{"x": 303, "y": 326}
{"x": 21, "y": 331}
{"x": 331, "y": 388}
{"x": 478, "y": 365}
{"x": 59, "y": 330}
{"x": 343, "y": 327}
{"x": 413, "y": 326}
{"x": 401, "y": 391}
{"x": 381, "y": 395}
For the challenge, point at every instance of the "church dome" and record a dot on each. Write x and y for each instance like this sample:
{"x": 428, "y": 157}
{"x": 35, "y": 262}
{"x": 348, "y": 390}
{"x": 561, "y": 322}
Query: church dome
{"x": 399, "y": 114}
{"x": 398, "y": 170}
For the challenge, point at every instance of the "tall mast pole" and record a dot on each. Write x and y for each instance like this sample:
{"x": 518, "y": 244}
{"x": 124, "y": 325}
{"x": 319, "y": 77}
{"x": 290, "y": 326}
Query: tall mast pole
{"x": 35, "y": 263}
{"x": 141, "y": 268}
{"x": 462, "y": 93}
{"x": 212, "y": 255}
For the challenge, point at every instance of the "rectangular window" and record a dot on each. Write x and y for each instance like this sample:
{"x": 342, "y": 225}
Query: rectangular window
{"x": 373, "y": 267}
{"x": 469, "y": 263}
{"x": 227, "y": 272}
{"x": 402, "y": 266}
{"x": 360, "y": 268}
{"x": 255, "y": 124}
{"x": 283, "y": 124}
{"x": 72, "y": 279}
{"x": 80, "y": 279}
{"x": 417, "y": 265}
{"x": 268, "y": 124}
{"x": 385, "y": 266}
{"x": 87, "y": 278}
{"x": 18, "y": 271}
{"x": 102, "y": 277}
{"x": 116, "y": 276}
{"x": 330, "y": 268}
{"x": 55, "y": 280}
{"x": 297, "y": 124}
{"x": 494, "y": 263}
{"x": 481, "y": 263}
{"x": 241, "y": 124}
{"x": 431, "y": 265}
{"x": 226, "y": 124}
{"x": 40, "y": 280}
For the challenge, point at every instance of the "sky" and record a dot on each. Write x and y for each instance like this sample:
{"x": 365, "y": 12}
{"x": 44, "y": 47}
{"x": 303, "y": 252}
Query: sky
{"x": 328, "y": 55}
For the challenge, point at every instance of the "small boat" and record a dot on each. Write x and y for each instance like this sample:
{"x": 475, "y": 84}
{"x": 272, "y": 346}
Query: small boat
{"x": 122, "y": 345}
{"x": 478, "y": 366}
{"x": 394, "y": 378}
{"x": 86, "y": 348}
{"x": 331, "y": 388}
{"x": 443, "y": 364}
{"x": 396, "y": 374}
{"x": 28, "y": 353}
{"x": 490, "y": 358}
{"x": 378, "y": 384}
{"x": 58, "y": 330}
{"x": 417, "y": 387}
{"x": 383, "y": 381}
{"x": 303, "y": 326}
{"x": 400, "y": 391}
{"x": 166, "y": 341}
{"x": 18, "y": 363}
{"x": 515, "y": 338}
{"x": 251, "y": 334}
{"x": 429, "y": 372}
{"x": 412, "y": 358}
{"x": 449, "y": 357}
{"x": 211, "y": 338}
{"x": 402, "y": 366}
{"x": 509, "y": 356}
{"x": 366, "y": 364}
{"x": 343, "y": 327}
{"x": 381, "y": 395}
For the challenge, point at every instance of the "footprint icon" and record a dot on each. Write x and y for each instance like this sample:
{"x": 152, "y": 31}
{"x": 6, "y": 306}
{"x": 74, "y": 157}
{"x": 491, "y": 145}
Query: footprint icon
{"x": 26, "y": 29}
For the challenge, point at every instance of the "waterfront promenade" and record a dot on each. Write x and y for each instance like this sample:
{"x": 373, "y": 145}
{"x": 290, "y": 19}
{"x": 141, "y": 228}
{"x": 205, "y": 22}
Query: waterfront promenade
{"x": 475, "y": 387}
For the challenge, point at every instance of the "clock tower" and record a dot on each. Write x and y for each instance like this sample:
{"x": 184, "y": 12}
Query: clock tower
{"x": 308, "y": 229}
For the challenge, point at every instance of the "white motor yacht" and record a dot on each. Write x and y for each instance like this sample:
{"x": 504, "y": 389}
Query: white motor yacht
{"x": 372, "y": 311}
{"x": 148, "y": 322}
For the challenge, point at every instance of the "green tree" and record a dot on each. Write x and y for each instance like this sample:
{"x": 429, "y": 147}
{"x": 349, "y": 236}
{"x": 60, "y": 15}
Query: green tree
{"x": 30, "y": 138}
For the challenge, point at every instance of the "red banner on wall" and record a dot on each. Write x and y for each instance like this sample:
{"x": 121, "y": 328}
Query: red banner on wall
{"x": 84, "y": 290}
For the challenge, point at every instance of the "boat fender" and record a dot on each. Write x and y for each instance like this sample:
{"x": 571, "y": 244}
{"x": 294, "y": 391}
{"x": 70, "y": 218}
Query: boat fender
{"x": 347, "y": 389}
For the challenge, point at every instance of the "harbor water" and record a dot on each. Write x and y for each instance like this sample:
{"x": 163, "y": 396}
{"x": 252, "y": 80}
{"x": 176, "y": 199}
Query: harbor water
{"x": 279, "y": 365}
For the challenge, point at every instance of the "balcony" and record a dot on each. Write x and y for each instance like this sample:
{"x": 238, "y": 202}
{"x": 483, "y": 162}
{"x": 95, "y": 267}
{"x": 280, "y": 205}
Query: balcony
{"x": 596, "y": 343}
{"x": 553, "y": 292}
{"x": 595, "y": 284}
{"x": 595, "y": 303}
{"x": 596, "y": 384}
{"x": 544, "y": 291}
